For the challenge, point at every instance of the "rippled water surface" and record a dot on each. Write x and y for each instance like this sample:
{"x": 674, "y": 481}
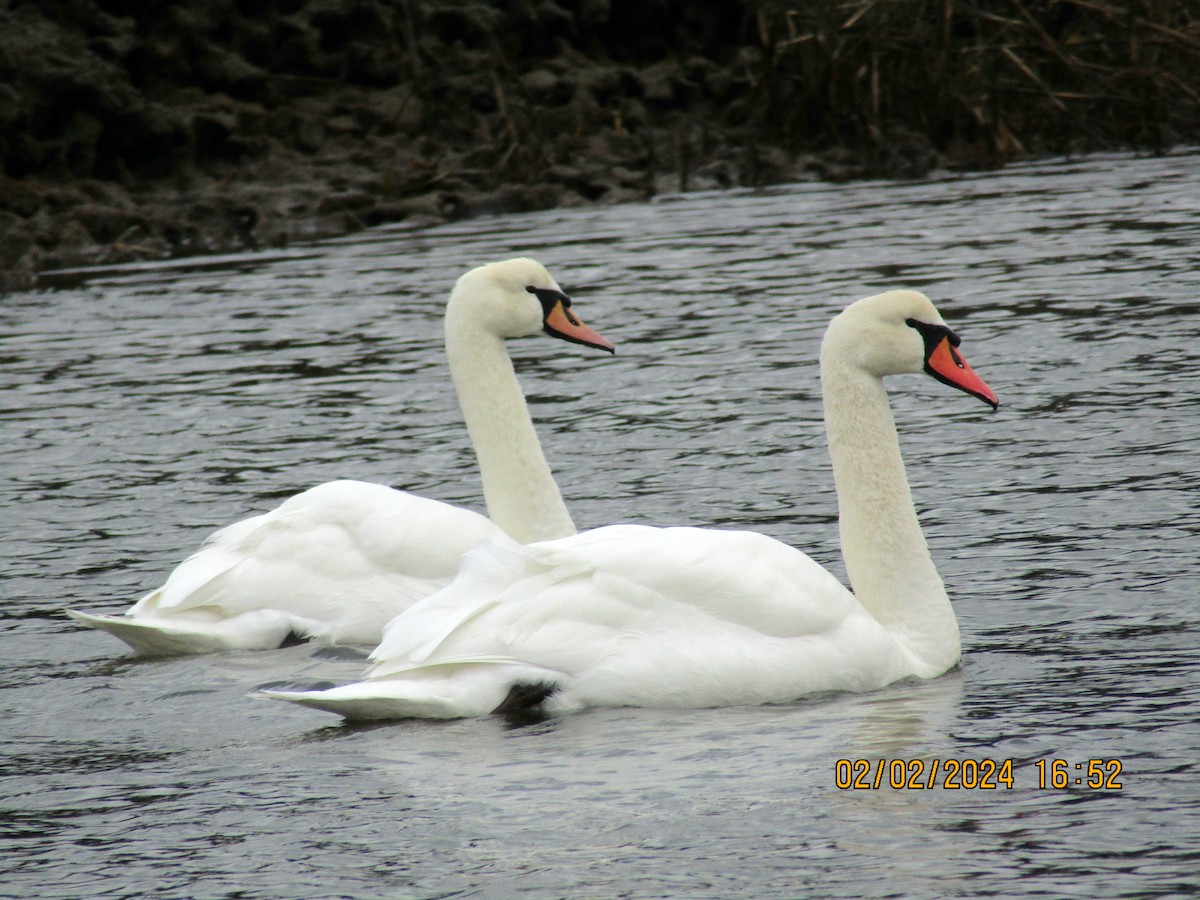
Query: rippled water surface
{"x": 142, "y": 408}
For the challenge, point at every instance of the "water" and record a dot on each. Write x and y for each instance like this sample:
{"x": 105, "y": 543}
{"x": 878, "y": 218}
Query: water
{"x": 144, "y": 407}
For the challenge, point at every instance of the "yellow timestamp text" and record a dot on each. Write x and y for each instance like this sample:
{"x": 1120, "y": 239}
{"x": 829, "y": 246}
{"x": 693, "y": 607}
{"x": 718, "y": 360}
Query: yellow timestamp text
{"x": 972, "y": 774}
{"x": 1096, "y": 774}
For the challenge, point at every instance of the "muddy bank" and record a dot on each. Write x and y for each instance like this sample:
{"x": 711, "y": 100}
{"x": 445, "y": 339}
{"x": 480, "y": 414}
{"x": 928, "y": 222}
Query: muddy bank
{"x": 138, "y": 131}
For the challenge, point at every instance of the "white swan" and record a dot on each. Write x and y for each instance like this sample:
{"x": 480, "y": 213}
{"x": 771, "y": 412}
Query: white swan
{"x": 683, "y": 617}
{"x": 340, "y": 560}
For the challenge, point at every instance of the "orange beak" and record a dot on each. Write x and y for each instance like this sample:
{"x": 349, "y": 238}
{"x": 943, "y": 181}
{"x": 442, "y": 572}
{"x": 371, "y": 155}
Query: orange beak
{"x": 946, "y": 364}
{"x": 560, "y": 322}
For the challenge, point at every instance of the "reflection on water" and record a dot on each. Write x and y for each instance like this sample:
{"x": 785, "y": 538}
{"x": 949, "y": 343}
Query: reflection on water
{"x": 144, "y": 407}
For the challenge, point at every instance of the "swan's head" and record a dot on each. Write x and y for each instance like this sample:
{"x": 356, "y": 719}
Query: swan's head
{"x": 518, "y": 297}
{"x": 901, "y": 332}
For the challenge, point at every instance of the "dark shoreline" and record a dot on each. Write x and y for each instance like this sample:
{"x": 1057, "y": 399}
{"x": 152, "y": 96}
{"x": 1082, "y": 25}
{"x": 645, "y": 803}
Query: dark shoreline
{"x": 130, "y": 134}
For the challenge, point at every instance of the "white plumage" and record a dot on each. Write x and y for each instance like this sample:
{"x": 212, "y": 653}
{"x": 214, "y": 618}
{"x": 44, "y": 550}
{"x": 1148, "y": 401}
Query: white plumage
{"x": 630, "y": 615}
{"x": 340, "y": 560}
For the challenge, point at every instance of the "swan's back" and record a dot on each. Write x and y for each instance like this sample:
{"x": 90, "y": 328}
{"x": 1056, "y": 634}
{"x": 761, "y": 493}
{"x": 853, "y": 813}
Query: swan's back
{"x": 632, "y": 615}
{"x": 341, "y": 559}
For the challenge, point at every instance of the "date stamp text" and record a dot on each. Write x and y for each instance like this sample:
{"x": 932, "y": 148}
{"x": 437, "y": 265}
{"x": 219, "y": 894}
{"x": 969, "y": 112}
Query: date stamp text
{"x": 953, "y": 774}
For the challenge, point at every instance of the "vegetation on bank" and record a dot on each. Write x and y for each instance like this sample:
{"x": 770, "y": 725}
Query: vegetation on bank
{"x": 984, "y": 82}
{"x": 132, "y": 130}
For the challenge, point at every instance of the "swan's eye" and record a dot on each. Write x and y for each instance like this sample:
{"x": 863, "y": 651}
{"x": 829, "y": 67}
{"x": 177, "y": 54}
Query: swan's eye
{"x": 543, "y": 293}
{"x": 932, "y": 332}
{"x": 933, "y": 335}
{"x": 550, "y": 298}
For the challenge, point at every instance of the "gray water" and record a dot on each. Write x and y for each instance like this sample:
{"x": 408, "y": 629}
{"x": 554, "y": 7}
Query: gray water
{"x": 144, "y": 407}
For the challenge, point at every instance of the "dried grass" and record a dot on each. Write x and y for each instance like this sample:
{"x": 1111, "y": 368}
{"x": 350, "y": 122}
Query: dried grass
{"x": 990, "y": 80}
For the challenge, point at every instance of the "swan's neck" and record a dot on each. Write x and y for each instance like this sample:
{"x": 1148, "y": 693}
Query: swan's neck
{"x": 521, "y": 495}
{"x": 885, "y": 552}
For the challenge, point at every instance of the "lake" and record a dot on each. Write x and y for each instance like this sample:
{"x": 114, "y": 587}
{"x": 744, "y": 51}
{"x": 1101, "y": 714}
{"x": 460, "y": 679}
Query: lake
{"x": 145, "y": 406}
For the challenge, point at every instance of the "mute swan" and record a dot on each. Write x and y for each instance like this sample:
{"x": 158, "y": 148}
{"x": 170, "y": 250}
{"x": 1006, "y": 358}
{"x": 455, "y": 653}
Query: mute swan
{"x": 630, "y": 615}
{"x": 341, "y": 559}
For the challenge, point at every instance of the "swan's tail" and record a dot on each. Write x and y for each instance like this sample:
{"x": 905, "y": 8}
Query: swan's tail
{"x": 262, "y": 630}
{"x": 445, "y": 690}
{"x": 365, "y": 702}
